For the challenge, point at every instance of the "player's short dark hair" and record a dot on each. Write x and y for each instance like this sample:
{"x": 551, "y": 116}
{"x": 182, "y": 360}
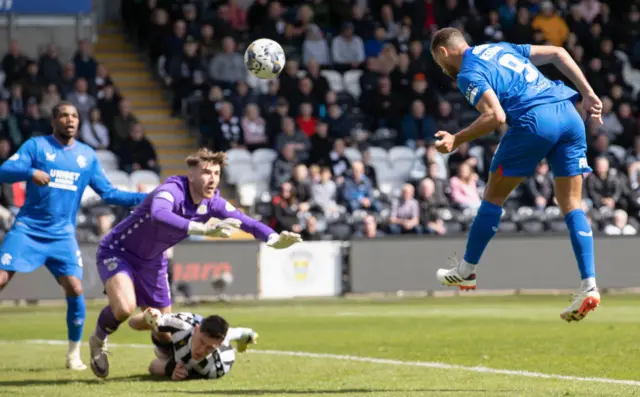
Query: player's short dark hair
{"x": 444, "y": 37}
{"x": 205, "y": 155}
{"x": 55, "y": 113}
{"x": 215, "y": 327}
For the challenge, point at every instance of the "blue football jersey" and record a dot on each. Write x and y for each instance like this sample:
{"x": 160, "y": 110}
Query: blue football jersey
{"x": 50, "y": 211}
{"x": 506, "y": 69}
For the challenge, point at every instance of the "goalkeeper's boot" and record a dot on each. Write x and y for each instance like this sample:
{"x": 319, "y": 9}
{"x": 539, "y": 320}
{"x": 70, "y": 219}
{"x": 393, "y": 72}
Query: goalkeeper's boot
{"x": 74, "y": 363}
{"x": 248, "y": 338}
{"x": 583, "y": 302}
{"x": 99, "y": 356}
{"x": 451, "y": 277}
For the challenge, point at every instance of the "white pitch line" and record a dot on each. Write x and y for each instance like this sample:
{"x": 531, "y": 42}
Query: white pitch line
{"x": 373, "y": 360}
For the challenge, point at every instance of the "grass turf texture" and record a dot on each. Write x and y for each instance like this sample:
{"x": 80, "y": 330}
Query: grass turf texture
{"x": 514, "y": 333}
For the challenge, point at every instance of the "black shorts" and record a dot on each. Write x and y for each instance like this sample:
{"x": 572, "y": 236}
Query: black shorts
{"x": 169, "y": 367}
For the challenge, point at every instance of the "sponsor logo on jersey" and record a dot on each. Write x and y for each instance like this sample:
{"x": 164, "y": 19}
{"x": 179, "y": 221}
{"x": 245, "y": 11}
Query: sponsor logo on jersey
{"x": 65, "y": 180}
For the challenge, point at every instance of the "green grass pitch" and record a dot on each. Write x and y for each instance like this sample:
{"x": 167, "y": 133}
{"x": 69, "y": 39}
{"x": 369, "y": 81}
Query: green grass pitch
{"x": 462, "y": 346}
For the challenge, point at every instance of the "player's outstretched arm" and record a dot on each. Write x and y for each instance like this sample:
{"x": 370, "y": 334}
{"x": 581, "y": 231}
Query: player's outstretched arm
{"x": 101, "y": 185}
{"x": 491, "y": 117}
{"x": 260, "y": 231}
{"x": 560, "y": 58}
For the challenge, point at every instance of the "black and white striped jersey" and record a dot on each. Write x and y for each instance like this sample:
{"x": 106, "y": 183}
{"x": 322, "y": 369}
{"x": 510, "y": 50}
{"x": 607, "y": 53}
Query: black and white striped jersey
{"x": 217, "y": 364}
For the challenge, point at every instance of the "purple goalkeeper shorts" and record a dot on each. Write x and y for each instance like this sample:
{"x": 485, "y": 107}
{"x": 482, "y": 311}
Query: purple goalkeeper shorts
{"x": 150, "y": 278}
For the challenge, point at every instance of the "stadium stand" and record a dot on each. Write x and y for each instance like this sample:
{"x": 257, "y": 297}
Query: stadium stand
{"x": 341, "y": 145}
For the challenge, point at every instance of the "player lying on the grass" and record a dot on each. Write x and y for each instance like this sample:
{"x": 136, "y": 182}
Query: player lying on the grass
{"x": 130, "y": 258}
{"x": 200, "y": 347}
{"x": 502, "y": 82}
{"x": 57, "y": 170}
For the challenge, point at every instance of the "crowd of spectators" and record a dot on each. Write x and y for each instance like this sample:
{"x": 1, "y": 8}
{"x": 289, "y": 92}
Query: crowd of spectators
{"x": 31, "y": 87}
{"x": 402, "y": 99}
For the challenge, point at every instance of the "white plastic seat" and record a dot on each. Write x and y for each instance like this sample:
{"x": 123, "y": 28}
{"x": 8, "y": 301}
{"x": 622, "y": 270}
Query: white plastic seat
{"x": 117, "y": 177}
{"x": 108, "y": 160}
{"x": 352, "y": 82}
{"x": 235, "y": 171}
{"x": 334, "y": 79}
{"x": 353, "y": 154}
{"x": 238, "y": 156}
{"x": 145, "y": 177}
{"x": 261, "y": 156}
{"x": 378, "y": 154}
{"x": 401, "y": 153}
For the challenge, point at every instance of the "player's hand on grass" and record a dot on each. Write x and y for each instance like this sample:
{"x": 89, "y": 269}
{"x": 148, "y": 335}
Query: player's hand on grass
{"x": 446, "y": 142}
{"x": 592, "y": 105}
{"x": 283, "y": 240}
{"x": 41, "y": 178}
{"x": 179, "y": 372}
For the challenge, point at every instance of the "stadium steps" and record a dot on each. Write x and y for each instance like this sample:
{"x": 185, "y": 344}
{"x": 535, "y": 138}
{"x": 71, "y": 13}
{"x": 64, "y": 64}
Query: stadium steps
{"x": 136, "y": 82}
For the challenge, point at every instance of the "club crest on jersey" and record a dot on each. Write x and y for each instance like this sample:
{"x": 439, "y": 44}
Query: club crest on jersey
{"x": 82, "y": 161}
{"x": 50, "y": 156}
{"x": 201, "y": 210}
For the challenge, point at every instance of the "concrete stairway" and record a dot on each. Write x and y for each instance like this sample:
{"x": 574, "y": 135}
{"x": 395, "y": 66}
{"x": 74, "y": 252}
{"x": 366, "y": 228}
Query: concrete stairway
{"x": 131, "y": 75}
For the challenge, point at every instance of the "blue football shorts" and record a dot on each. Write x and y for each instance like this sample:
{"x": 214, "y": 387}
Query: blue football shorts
{"x": 554, "y": 131}
{"x": 23, "y": 253}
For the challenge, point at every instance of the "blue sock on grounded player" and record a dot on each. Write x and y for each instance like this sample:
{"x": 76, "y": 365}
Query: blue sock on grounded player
{"x": 484, "y": 227}
{"x": 582, "y": 242}
{"x": 107, "y": 323}
{"x": 76, "y": 313}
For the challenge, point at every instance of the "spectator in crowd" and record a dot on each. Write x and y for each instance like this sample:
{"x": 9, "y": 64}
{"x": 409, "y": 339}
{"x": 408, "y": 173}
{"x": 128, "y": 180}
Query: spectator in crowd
{"x": 140, "y": 153}
{"x": 347, "y": 49}
{"x": 228, "y": 132}
{"x": 227, "y": 67}
{"x": 324, "y": 193}
{"x": 13, "y": 63}
{"x": 102, "y": 80}
{"x": 430, "y": 201}
{"x": 254, "y": 128}
{"x": 319, "y": 83}
{"x": 50, "y": 67}
{"x": 286, "y": 210}
{"x": 302, "y": 186}
{"x": 604, "y": 186}
{"x": 620, "y": 225}
{"x": 180, "y": 73}
{"x": 417, "y": 127}
{"x": 33, "y": 124}
{"x": 464, "y": 188}
{"x": 369, "y": 229}
{"x": 93, "y": 132}
{"x": 104, "y": 220}
{"x": 82, "y": 100}
{"x": 122, "y": 125}
{"x": 315, "y": 47}
{"x": 109, "y": 106}
{"x": 305, "y": 121}
{"x": 32, "y": 83}
{"x": 50, "y": 99}
{"x": 242, "y": 97}
{"x": 17, "y": 101}
{"x": 405, "y": 213}
{"x": 358, "y": 192}
{"x": 553, "y": 27}
{"x": 340, "y": 164}
{"x": 85, "y": 65}
{"x": 282, "y": 168}
{"x": 9, "y": 127}
{"x": 320, "y": 145}
{"x": 369, "y": 169}
{"x": 538, "y": 189}
{"x": 311, "y": 232}
{"x": 68, "y": 83}
{"x": 290, "y": 135}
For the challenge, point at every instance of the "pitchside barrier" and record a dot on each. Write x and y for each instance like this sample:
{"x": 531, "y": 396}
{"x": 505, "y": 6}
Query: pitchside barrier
{"x": 330, "y": 268}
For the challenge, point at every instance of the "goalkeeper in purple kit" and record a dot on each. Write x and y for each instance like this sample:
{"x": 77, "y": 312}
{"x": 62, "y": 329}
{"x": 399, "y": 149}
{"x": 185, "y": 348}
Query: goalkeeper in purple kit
{"x": 130, "y": 259}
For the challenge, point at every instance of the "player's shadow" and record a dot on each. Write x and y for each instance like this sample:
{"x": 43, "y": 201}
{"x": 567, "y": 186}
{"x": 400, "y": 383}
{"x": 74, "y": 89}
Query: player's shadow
{"x": 52, "y": 382}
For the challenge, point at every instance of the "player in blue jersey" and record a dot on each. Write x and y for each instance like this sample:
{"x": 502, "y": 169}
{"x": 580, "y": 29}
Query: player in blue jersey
{"x": 57, "y": 169}
{"x": 501, "y": 81}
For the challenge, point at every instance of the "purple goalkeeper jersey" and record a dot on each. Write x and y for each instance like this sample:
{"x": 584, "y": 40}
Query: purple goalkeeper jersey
{"x": 162, "y": 221}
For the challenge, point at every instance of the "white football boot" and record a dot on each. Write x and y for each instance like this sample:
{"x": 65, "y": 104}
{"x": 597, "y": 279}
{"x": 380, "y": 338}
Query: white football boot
{"x": 74, "y": 363}
{"x": 452, "y": 278}
{"x": 583, "y": 302}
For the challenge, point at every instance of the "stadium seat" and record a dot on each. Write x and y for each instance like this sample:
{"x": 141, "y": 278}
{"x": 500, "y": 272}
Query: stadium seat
{"x": 334, "y": 79}
{"x": 339, "y": 231}
{"x": 557, "y": 226}
{"x": 236, "y": 171}
{"x": 89, "y": 198}
{"x": 238, "y": 156}
{"x": 352, "y": 82}
{"x": 247, "y": 193}
{"x": 378, "y": 154}
{"x": 119, "y": 178}
{"x": 508, "y": 227}
{"x": 108, "y": 160}
{"x": 261, "y": 156}
{"x": 454, "y": 227}
{"x": 353, "y": 154}
{"x": 401, "y": 153}
{"x": 532, "y": 227}
{"x": 401, "y": 169}
{"x": 144, "y": 177}
{"x": 262, "y": 172}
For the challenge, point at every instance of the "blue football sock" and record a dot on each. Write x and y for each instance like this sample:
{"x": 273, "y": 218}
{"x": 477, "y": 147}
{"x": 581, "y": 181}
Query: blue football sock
{"x": 76, "y": 313}
{"x": 483, "y": 228}
{"x": 582, "y": 242}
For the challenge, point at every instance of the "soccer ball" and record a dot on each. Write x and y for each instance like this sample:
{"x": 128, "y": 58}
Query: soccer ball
{"x": 264, "y": 58}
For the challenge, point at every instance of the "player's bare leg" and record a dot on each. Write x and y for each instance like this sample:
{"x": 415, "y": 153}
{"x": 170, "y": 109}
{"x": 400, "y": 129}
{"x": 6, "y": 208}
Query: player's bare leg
{"x": 76, "y": 313}
{"x": 569, "y": 196}
{"x": 122, "y": 303}
{"x": 5, "y": 277}
{"x": 462, "y": 274}
{"x": 157, "y": 366}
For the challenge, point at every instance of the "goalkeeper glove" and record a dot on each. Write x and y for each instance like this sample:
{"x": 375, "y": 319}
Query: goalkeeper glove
{"x": 224, "y": 228}
{"x": 283, "y": 240}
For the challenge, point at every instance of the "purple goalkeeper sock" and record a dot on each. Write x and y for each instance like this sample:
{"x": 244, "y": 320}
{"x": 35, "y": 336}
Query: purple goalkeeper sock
{"x": 107, "y": 323}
